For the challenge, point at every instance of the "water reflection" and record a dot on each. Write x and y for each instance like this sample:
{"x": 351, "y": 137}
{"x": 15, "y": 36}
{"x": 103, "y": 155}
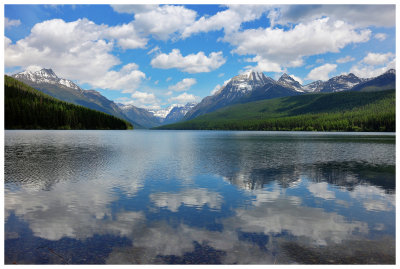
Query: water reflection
{"x": 345, "y": 174}
{"x": 209, "y": 197}
{"x": 49, "y": 165}
{"x": 192, "y": 198}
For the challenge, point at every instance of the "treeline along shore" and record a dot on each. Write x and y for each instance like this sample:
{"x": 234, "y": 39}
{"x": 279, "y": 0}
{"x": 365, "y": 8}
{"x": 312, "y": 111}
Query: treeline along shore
{"x": 342, "y": 111}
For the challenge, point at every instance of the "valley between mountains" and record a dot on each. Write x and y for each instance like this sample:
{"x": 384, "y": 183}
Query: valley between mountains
{"x": 250, "y": 101}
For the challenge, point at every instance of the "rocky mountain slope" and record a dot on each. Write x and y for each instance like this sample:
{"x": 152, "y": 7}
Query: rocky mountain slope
{"x": 247, "y": 87}
{"x": 46, "y": 81}
{"x": 254, "y": 86}
{"x": 383, "y": 82}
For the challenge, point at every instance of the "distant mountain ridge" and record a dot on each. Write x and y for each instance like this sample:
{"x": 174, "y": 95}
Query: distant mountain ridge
{"x": 178, "y": 113}
{"x": 156, "y": 117}
{"x": 243, "y": 88}
{"x": 255, "y": 86}
{"x": 139, "y": 115}
{"x": 340, "y": 83}
{"x": 46, "y": 81}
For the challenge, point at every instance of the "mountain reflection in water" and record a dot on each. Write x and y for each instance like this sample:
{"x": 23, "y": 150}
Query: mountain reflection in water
{"x": 143, "y": 197}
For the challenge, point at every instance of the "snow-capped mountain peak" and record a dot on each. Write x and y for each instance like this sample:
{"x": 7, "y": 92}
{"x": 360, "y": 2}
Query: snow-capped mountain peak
{"x": 313, "y": 86}
{"x": 256, "y": 76}
{"x": 163, "y": 112}
{"x": 286, "y": 77}
{"x": 178, "y": 113}
{"x": 343, "y": 82}
{"x": 45, "y": 76}
{"x": 288, "y": 81}
{"x": 46, "y": 73}
{"x": 246, "y": 81}
{"x": 250, "y": 75}
{"x": 185, "y": 109}
{"x": 339, "y": 83}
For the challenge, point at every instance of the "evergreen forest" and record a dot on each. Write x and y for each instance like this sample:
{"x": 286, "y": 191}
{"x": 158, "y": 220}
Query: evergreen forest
{"x": 342, "y": 111}
{"x": 28, "y": 108}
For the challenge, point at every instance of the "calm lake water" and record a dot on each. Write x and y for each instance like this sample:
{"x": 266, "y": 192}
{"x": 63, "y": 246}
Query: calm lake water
{"x": 199, "y": 197}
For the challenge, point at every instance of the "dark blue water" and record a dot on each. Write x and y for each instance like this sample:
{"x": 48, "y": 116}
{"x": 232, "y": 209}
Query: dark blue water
{"x": 199, "y": 197}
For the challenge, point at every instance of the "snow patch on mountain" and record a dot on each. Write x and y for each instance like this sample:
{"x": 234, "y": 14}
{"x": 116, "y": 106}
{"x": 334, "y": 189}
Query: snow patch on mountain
{"x": 45, "y": 76}
{"x": 68, "y": 83}
{"x": 288, "y": 81}
{"x": 313, "y": 86}
{"x": 187, "y": 108}
{"x": 163, "y": 112}
{"x": 246, "y": 82}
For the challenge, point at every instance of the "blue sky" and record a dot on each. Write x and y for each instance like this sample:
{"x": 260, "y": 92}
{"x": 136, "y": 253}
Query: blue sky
{"x": 156, "y": 55}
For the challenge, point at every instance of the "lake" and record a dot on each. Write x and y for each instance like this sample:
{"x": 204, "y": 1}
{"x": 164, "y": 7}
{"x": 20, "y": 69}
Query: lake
{"x": 199, "y": 197}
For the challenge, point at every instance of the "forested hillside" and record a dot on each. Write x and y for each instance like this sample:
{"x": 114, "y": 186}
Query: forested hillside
{"x": 28, "y": 108}
{"x": 343, "y": 111}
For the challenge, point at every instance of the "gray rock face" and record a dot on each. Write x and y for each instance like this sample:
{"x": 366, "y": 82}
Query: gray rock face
{"x": 247, "y": 87}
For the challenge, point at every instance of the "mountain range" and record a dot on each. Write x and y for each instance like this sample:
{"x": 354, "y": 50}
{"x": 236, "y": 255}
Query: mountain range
{"x": 46, "y": 81}
{"x": 247, "y": 87}
{"x": 254, "y": 86}
{"x": 155, "y": 117}
{"x": 244, "y": 88}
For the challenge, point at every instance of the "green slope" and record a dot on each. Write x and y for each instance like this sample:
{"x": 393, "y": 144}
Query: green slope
{"x": 87, "y": 98}
{"x": 343, "y": 111}
{"x": 28, "y": 108}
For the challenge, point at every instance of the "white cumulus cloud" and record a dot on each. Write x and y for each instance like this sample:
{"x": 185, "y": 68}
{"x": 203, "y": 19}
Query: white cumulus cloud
{"x": 192, "y": 63}
{"x": 144, "y": 100}
{"x": 77, "y": 46}
{"x": 368, "y": 71}
{"x": 128, "y": 79}
{"x": 183, "y": 85}
{"x": 374, "y": 64}
{"x": 321, "y": 72}
{"x": 265, "y": 65}
{"x": 83, "y": 51}
{"x": 163, "y": 21}
{"x": 230, "y": 19}
{"x": 184, "y": 98}
{"x": 364, "y": 70}
{"x": 378, "y": 58}
{"x": 277, "y": 48}
{"x": 126, "y": 36}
